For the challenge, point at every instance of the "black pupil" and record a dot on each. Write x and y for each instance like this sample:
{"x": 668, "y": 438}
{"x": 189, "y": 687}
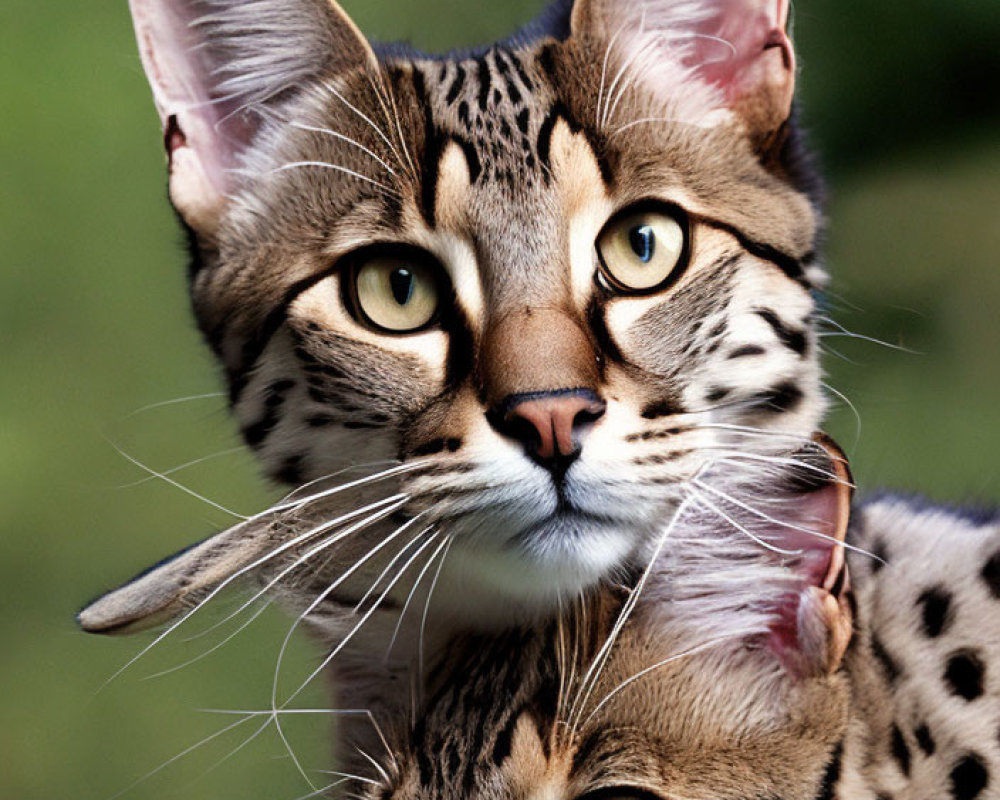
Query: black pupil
{"x": 643, "y": 241}
{"x": 402, "y": 282}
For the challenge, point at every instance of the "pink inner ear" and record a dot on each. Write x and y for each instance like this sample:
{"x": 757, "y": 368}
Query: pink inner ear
{"x": 730, "y": 43}
{"x": 816, "y": 522}
{"x": 800, "y": 634}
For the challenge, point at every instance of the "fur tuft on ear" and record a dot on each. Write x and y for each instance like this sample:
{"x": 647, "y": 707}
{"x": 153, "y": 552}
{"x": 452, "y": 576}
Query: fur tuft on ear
{"x": 215, "y": 65}
{"x": 704, "y": 60}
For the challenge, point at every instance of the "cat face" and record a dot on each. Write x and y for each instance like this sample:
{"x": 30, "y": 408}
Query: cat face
{"x": 555, "y": 280}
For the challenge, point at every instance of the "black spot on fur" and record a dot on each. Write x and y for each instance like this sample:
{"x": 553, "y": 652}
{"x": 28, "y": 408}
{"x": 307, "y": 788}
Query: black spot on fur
{"x": 888, "y": 663}
{"x": 472, "y": 158}
{"x": 522, "y": 120}
{"x": 746, "y": 351}
{"x": 717, "y": 394}
{"x": 991, "y": 575}
{"x": 881, "y": 555}
{"x": 969, "y": 777}
{"x": 782, "y": 398}
{"x": 290, "y": 470}
{"x": 502, "y": 745}
{"x": 900, "y": 750}
{"x": 925, "y": 740}
{"x": 794, "y": 340}
{"x": 274, "y": 399}
{"x": 430, "y": 448}
{"x": 964, "y": 674}
{"x": 935, "y": 608}
{"x": 662, "y": 408}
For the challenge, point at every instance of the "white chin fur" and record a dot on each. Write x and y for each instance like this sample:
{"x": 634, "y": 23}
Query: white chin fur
{"x": 552, "y": 563}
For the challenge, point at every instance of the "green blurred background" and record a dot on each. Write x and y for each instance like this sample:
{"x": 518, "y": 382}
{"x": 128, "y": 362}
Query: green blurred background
{"x": 902, "y": 100}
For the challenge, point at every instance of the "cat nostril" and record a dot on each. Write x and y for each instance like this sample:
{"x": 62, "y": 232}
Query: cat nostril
{"x": 550, "y": 424}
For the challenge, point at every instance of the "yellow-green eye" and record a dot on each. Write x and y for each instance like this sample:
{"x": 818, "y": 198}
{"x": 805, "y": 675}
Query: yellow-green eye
{"x": 397, "y": 293}
{"x": 641, "y": 251}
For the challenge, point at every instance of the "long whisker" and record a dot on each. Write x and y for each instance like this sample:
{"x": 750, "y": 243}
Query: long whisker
{"x": 175, "y": 484}
{"x": 444, "y": 549}
{"x": 850, "y": 405}
{"x": 783, "y": 523}
{"x": 366, "y": 119}
{"x": 322, "y": 597}
{"x": 658, "y": 665}
{"x": 593, "y": 672}
{"x": 180, "y": 755}
{"x": 175, "y": 401}
{"x": 406, "y": 605}
{"x": 388, "y": 568}
{"x": 214, "y": 592}
{"x": 253, "y": 618}
{"x": 709, "y": 505}
{"x": 288, "y": 636}
{"x": 347, "y": 139}
{"x": 365, "y": 617}
{"x": 384, "y": 508}
{"x": 181, "y": 467}
{"x": 337, "y": 168}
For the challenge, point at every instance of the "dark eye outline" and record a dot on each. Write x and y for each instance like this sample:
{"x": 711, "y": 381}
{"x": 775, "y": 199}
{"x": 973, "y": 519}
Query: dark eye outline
{"x": 351, "y": 264}
{"x": 604, "y": 277}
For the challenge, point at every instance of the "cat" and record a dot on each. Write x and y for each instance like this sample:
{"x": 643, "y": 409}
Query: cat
{"x": 553, "y": 295}
{"x": 545, "y": 284}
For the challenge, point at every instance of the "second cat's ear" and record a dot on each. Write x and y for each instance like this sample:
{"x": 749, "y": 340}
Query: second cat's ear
{"x": 216, "y": 65}
{"x": 814, "y": 622}
{"x": 737, "y": 49}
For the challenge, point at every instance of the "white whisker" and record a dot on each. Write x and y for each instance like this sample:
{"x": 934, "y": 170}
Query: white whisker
{"x": 710, "y": 506}
{"x": 659, "y": 664}
{"x": 337, "y": 168}
{"x": 347, "y": 139}
{"x": 175, "y": 401}
{"x": 177, "y": 485}
{"x": 783, "y": 523}
{"x": 594, "y": 670}
{"x": 181, "y": 467}
{"x": 444, "y": 549}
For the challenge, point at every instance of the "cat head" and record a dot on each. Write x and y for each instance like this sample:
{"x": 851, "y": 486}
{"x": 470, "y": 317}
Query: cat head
{"x": 555, "y": 279}
{"x": 725, "y": 680}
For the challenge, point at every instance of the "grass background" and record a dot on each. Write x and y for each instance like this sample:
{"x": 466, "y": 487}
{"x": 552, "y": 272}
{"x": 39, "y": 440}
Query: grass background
{"x": 901, "y": 99}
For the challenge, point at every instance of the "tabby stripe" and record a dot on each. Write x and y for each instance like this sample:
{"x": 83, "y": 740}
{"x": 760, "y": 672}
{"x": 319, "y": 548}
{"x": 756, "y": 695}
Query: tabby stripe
{"x": 831, "y": 777}
{"x": 519, "y": 68}
{"x": 456, "y": 85}
{"x": 485, "y": 82}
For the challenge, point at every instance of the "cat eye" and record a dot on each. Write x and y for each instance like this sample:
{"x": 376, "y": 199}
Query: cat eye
{"x": 396, "y": 292}
{"x": 643, "y": 250}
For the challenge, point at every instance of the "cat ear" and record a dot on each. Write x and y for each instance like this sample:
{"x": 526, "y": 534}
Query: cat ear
{"x": 814, "y": 621}
{"x": 737, "y": 50}
{"x": 213, "y": 65}
{"x": 180, "y": 582}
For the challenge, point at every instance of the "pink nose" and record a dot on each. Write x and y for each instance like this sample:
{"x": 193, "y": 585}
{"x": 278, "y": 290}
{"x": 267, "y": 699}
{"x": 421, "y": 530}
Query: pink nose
{"x": 552, "y": 422}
